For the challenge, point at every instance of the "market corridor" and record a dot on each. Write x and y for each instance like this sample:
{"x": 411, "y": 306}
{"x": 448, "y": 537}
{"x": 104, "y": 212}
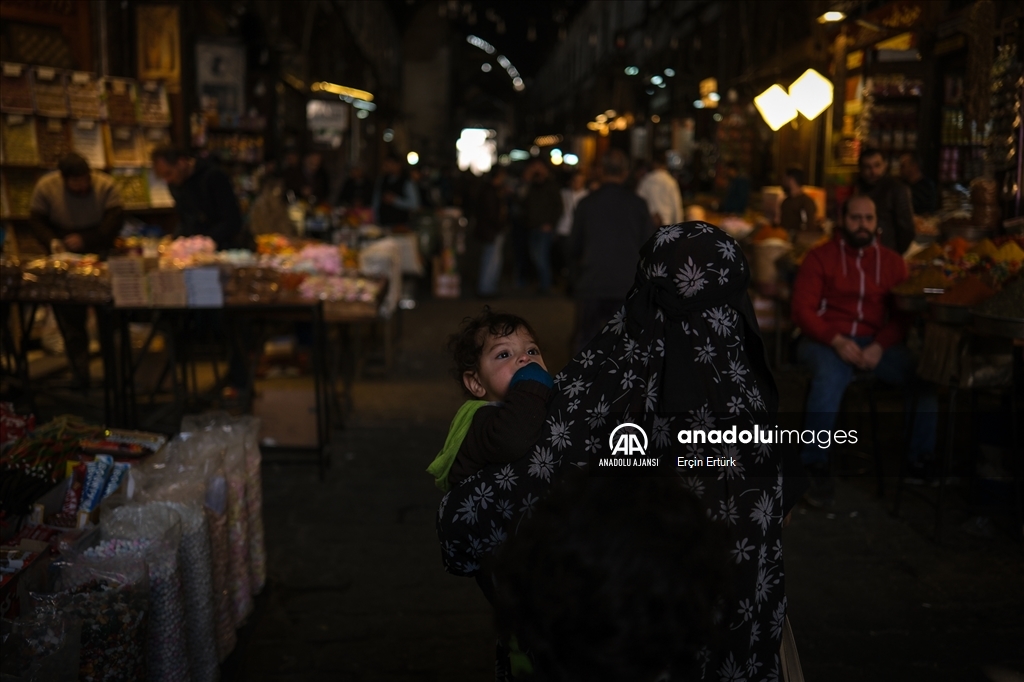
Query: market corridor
{"x": 356, "y": 590}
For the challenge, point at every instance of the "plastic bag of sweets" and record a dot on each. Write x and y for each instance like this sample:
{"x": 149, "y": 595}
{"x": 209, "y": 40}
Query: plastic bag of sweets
{"x": 153, "y": 532}
{"x": 238, "y": 532}
{"x": 197, "y": 589}
{"x": 254, "y": 504}
{"x": 110, "y": 598}
{"x": 41, "y": 646}
{"x": 215, "y": 508}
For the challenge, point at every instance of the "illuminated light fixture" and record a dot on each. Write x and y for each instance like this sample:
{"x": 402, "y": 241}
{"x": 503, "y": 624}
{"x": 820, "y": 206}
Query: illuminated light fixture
{"x": 632, "y": 70}
{"x": 335, "y": 89}
{"x": 714, "y": 97}
{"x": 481, "y": 43}
{"x": 663, "y": 85}
{"x": 556, "y": 160}
{"x": 556, "y": 152}
{"x": 362, "y": 104}
{"x": 485, "y": 67}
{"x": 811, "y": 93}
{"x": 717, "y": 117}
{"x": 601, "y": 118}
{"x": 504, "y": 160}
{"x": 831, "y": 17}
{"x": 547, "y": 140}
{"x": 389, "y": 135}
{"x": 670, "y": 72}
{"x": 571, "y": 159}
{"x": 362, "y": 113}
{"x": 517, "y": 84}
{"x": 534, "y": 150}
{"x": 477, "y": 151}
{"x": 519, "y": 155}
{"x": 655, "y": 119}
{"x": 610, "y": 113}
{"x": 657, "y": 80}
{"x": 698, "y": 104}
{"x": 776, "y": 107}
{"x": 413, "y": 158}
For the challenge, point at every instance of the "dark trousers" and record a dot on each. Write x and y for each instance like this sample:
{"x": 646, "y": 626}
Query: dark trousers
{"x": 71, "y": 320}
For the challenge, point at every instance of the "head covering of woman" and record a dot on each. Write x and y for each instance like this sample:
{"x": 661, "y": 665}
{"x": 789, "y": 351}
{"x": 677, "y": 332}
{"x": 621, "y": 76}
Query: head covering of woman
{"x": 684, "y": 353}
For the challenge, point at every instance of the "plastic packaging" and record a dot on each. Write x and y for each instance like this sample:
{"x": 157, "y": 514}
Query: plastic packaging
{"x": 43, "y": 646}
{"x": 153, "y": 531}
{"x": 109, "y": 596}
{"x": 254, "y": 504}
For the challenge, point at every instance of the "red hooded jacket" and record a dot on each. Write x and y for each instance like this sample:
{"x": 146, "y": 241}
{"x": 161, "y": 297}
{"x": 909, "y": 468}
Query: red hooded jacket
{"x": 844, "y": 290}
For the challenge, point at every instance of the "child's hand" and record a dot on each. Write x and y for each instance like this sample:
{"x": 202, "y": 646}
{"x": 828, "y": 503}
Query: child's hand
{"x": 532, "y": 372}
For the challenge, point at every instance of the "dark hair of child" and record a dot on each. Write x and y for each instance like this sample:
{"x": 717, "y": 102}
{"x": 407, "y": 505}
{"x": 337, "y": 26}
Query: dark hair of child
{"x": 467, "y": 344}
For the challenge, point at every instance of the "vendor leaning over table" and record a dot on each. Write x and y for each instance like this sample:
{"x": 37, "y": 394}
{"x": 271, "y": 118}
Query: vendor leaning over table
{"x": 841, "y": 302}
{"x": 203, "y": 198}
{"x": 78, "y": 210}
{"x": 206, "y": 205}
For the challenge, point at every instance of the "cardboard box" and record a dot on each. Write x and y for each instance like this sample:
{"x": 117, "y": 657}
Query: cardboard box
{"x": 167, "y": 288}
{"x": 287, "y": 412}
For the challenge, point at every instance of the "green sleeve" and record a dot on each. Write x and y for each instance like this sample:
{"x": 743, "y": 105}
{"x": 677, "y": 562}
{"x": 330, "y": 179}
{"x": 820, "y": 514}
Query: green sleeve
{"x": 442, "y": 464}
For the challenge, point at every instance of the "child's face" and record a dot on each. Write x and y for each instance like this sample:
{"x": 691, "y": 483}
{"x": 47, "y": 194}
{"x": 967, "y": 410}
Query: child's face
{"x": 502, "y": 357}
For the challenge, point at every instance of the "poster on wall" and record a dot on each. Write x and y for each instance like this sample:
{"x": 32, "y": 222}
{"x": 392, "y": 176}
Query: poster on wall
{"x": 220, "y": 80}
{"x": 159, "y": 52}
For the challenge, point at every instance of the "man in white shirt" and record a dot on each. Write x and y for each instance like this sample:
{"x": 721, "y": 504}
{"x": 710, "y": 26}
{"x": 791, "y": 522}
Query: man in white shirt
{"x": 661, "y": 192}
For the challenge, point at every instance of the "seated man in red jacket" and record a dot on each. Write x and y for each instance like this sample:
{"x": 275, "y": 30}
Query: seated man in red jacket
{"x": 841, "y": 304}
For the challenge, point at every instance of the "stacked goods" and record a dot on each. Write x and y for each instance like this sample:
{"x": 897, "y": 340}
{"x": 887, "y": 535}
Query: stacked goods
{"x": 928, "y": 280}
{"x": 51, "y": 92}
{"x": 19, "y": 138}
{"x": 131, "y": 184}
{"x": 15, "y": 88}
{"x": 969, "y": 291}
{"x": 84, "y": 95}
{"x": 120, "y": 102}
{"x": 53, "y": 139}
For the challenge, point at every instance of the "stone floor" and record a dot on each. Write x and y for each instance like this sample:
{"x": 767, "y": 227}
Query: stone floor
{"x": 356, "y": 590}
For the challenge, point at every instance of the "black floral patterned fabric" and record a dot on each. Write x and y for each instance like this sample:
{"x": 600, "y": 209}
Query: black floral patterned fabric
{"x": 683, "y": 353}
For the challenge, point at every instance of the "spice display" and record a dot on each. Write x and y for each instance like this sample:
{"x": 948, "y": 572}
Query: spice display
{"x": 131, "y": 183}
{"x": 84, "y": 95}
{"x": 1010, "y": 252}
{"x": 984, "y": 249}
{"x": 87, "y": 140}
{"x": 931, "y": 279}
{"x": 969, "y": 291}
{"x": 51, "y": 92}
{"x": 53, "y": 140}
{"x": 123, "y": 146}
{"x": 1008, "y": 303}
{"x": 119, "y": 97}
{"x": 930, "y": 253}
{"x": 19, "y": 138}
{"x": 15, "y": 88}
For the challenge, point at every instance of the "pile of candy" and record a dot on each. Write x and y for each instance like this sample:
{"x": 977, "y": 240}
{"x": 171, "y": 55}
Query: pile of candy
{"x": 319, "y": 258}
{"x": 340, "y": 289}
{"x": 188, "y": 249}
{"x": 44, "y": 452}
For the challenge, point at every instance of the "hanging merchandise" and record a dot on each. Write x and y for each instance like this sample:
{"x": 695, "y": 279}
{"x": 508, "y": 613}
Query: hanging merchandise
{"x": 51, "y": 94}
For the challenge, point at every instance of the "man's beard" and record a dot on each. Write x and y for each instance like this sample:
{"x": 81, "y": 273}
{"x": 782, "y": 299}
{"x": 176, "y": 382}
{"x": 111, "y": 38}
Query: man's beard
{"x": 859, "y": 238}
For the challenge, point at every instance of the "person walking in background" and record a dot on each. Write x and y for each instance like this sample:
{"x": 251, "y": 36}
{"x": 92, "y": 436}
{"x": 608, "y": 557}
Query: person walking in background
{"x": 308, "y": 180}
{"x": 661, "y": 192}
{"x": 609, "y": 228}
{"x": 395, "y": 196}
{"x": 491, "y": 225}
{"x": 798, "y": 211}
{"x": 924, "y": 196}
{"x": 357, "y": 190}
{"x": 737, "y": 192}
{"x": 79, "y": 210}
{"x": 542, "y": 208}
{"x": 891, "y": 198}
{"x": 571, "y": 197}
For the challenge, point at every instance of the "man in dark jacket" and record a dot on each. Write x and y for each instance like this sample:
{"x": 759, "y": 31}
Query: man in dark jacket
{"x": 542, "y": 209}
{"x": 610, "y": 226}
{"x": 892, "y": 200}
{"x": 203, "y": 197}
